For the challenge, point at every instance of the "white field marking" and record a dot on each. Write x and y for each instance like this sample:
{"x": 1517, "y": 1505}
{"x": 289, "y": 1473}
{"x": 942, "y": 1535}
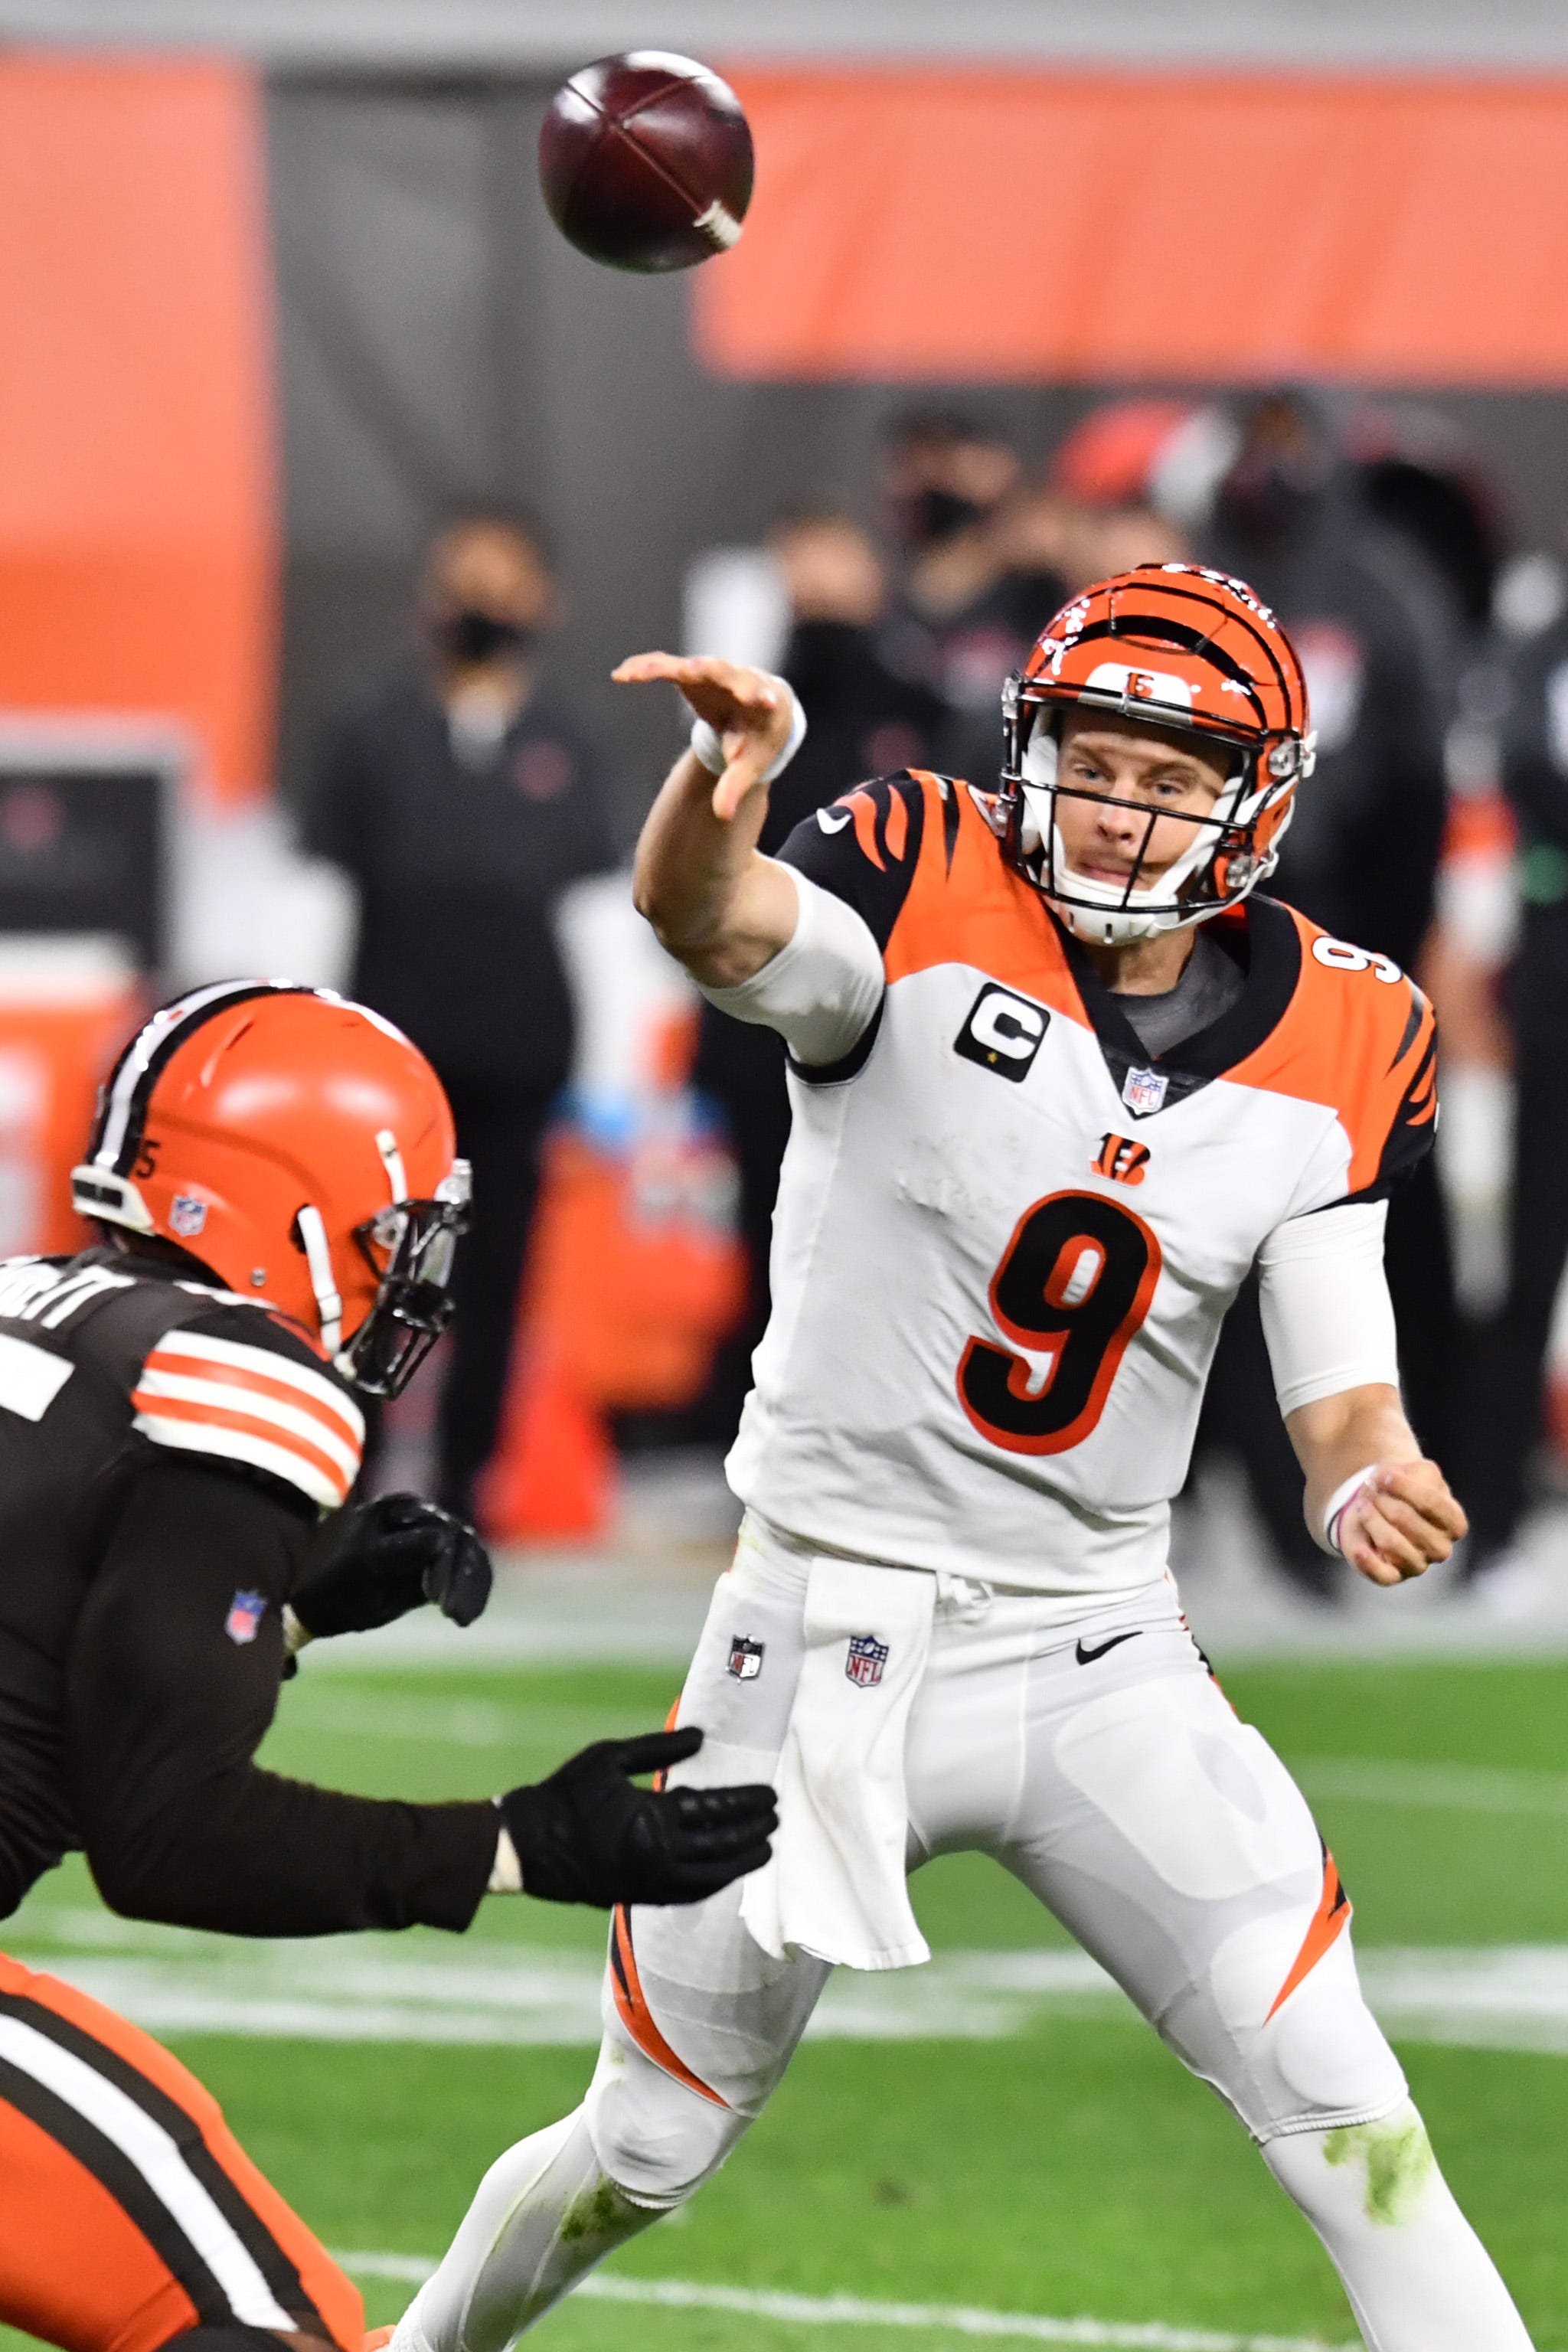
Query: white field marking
{"x": 490, "y": 1991}
{"x": 852, "y": 2311}
{"x": 1439, "y": 1787}
{"x": 333, "y": 1712}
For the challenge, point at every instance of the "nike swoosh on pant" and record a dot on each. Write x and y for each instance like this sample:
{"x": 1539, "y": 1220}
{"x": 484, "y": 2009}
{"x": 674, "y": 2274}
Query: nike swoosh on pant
{"x": 1087, "y": 1657}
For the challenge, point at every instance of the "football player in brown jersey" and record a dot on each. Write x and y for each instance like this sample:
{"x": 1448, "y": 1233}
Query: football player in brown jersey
{"x": 273, "y": 1171}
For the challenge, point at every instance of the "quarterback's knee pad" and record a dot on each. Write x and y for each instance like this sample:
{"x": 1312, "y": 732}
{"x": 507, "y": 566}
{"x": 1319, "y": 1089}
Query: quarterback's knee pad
{"x": 656, "y": 2140}
{"x": 1290, "y": 2044}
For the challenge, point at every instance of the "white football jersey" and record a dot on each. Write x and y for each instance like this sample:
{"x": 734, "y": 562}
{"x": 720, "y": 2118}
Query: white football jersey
{"x": 1006, "y": 1236}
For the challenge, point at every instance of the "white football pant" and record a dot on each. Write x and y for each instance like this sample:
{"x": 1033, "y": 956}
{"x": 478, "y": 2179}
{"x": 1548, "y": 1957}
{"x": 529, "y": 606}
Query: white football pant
{"x": 1102, "y": 1764}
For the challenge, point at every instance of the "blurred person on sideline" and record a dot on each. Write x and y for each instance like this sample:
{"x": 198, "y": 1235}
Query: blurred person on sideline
{"x": 980, "y": 568}
{"x": 972, "y": 596}
{"x": 1113, "y": 480}
{"x": 462, "y": 799}
{"x": 1361, "y": 859}
{"x": 863, "y": 719}
{"x": 1506, "y": 1417}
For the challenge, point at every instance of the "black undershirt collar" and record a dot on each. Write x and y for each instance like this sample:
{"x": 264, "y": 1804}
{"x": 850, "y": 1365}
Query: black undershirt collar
{"x": 1264, "y": 939}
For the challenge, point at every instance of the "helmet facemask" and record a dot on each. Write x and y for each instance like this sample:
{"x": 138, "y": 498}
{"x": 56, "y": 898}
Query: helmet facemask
{"x": 410, "y": 1246}
{"x": 1231, "y": 848}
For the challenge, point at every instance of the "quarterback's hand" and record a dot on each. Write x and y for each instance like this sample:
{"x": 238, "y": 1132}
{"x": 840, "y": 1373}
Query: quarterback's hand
{"x": 385, "y": 1557}
{"x": 746, "y": 708}
{"x": 589, "y": 1836}
{"x": 1401, "y": 1519}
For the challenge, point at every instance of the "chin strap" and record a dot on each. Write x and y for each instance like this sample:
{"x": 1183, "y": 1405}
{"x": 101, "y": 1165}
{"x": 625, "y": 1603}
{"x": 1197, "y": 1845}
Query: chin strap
{"x": 323, "y": 1282}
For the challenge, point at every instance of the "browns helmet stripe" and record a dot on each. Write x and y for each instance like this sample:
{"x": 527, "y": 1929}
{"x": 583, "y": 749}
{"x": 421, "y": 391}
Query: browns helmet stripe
{"x": 117, "y": 1131}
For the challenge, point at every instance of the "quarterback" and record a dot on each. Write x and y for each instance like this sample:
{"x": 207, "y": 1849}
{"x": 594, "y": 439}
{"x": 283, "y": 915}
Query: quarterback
{"x": 1060, "y": 1080}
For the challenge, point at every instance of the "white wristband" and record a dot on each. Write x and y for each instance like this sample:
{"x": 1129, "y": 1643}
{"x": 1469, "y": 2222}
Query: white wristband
{"x": 1335, "y": 1509}
{"x": 295, "y": 1635}
{"x": 506, "y": 1870}
{"x": 707, "y": 745}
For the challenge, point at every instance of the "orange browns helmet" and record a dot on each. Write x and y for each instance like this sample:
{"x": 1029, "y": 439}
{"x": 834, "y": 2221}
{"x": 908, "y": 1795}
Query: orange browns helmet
{"x": 1182, "y": 646}
{"x": 302, "y": 1149}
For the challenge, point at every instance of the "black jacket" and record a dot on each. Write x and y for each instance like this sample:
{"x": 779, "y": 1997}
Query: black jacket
{"x": 458, "y": 869}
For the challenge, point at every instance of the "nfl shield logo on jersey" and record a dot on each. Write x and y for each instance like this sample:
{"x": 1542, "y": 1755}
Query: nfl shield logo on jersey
{"x": 1144, "y": 1092}
{"x": 867, "y": 1658}
{"x": 245, "y": 1612}
{"x": 745, "y": 1659}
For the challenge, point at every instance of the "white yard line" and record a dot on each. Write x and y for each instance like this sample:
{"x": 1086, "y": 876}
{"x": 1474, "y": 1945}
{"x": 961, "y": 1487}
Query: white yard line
{"x": 1439, "y": 1787}
{"x": 338, "y": 1712}
{"x": 852, "y": 2311}
{"x": 487, "y": 1992}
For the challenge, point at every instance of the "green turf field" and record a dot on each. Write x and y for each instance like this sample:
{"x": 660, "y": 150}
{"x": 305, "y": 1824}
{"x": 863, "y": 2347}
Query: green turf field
{"x": 1018, "y": 2144}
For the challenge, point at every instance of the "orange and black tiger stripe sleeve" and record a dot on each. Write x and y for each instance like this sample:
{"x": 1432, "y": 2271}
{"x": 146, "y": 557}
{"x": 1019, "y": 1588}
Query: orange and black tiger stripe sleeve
{"x": 864, "y": 849}
{"x": 1399, "y": 1120}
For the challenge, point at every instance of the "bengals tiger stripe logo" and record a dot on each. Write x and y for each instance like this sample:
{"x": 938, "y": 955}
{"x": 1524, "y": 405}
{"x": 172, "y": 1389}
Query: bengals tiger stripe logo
{"x": 1120, "y": 1157}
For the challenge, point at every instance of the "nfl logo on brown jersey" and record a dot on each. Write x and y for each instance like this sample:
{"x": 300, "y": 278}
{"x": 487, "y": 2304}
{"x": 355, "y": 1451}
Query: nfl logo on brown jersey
{"x": 867, "y": 1658}
{"x": 245, "y": 1612}
{"x": 745, "y": 1659}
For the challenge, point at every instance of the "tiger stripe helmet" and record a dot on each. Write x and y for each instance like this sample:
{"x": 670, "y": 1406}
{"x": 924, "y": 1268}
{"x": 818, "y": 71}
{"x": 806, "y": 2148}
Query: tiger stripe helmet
{"x": 302, "y": 1149}
{"x": 1182, "y": 647}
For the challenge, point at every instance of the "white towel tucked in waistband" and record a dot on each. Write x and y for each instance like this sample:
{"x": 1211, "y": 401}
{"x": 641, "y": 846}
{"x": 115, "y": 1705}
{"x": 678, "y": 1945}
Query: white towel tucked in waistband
{"x": 836, "y": 1884}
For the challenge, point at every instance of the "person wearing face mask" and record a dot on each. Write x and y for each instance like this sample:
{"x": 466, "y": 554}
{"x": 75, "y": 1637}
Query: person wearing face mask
{"x": 978, "y": 579}
{"x": 461, "y": 799}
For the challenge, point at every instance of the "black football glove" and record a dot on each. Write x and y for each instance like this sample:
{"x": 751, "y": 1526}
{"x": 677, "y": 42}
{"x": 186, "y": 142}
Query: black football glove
{"x": 588, "y": 1835}
{"x": 385, "y": 1557}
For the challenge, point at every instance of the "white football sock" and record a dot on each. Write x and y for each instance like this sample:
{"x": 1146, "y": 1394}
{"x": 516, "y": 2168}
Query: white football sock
{"x": 1417, "y": 2277}
{"x": 544, "y": 2215}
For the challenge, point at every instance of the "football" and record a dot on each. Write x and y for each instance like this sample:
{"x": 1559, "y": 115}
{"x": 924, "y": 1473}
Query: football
{"x": 645, "y": 162}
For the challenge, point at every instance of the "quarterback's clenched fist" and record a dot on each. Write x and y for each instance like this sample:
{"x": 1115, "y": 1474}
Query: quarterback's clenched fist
{"x": 1400, "y": 1520}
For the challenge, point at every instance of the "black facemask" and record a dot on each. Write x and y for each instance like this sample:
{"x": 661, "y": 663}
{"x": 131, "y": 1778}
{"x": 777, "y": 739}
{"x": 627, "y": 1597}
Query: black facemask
{"x": 469, "y": 635}
{"x": 410, "y": 1246}
{"x": 932, "y": 517}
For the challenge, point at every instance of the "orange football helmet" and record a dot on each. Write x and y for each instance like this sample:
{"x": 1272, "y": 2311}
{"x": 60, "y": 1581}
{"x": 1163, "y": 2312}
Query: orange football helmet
{"x": 302, "y": 1149}
{"x": 1185, "y": 647}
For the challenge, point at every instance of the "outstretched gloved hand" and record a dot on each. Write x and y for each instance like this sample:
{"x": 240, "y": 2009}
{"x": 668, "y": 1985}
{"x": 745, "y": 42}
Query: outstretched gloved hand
{"x": 588, "y": 1834}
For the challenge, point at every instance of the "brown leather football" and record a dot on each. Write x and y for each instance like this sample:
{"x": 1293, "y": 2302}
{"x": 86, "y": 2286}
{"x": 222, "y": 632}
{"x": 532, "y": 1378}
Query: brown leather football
{"x": 645, "y": 162}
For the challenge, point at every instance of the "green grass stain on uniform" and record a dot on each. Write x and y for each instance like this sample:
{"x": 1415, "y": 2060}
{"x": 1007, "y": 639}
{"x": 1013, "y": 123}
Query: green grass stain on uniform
{"x": 1398, "y": 2160}
{"x": 595, "y": 2214}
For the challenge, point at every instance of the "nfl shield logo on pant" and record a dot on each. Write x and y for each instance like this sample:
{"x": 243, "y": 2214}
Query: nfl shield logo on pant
{"x": 745, "y": 1659}
{"x": 867, "y": 1658}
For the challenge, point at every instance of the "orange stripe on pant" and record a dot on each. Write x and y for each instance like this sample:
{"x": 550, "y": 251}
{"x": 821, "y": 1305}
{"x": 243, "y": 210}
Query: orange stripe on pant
{"x": 635, "y": 2014}
{"x": 75, "y": 2268}
{"x": 1331, "y": 1915}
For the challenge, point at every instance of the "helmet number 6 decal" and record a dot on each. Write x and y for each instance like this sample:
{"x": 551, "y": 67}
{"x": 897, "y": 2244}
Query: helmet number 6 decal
{"x": 1073, "y": 1286}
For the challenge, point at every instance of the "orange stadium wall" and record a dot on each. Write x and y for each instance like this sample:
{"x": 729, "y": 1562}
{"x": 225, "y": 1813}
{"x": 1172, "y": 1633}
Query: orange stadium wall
{"x": 137, "y": 495}
{"x": 1068, "y": 227}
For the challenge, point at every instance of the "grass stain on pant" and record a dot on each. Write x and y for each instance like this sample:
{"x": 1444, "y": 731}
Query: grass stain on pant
{"x": 599, "y": 2213}
{"x": 1398, "y": 2158}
